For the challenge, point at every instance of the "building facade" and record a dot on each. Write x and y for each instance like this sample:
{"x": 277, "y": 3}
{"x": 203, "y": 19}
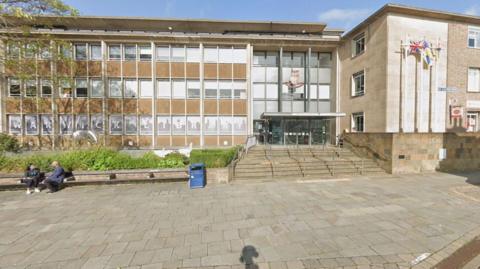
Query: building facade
{"x": 152, "y": 83}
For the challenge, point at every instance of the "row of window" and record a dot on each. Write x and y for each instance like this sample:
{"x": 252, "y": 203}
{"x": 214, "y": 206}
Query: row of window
{"x": 142, "y": 52}
{"x": 132, "y": 88}
{"x": 291, "y": 59}
{"x": 128, "y": 124}
{"x": 270, "y": 91}
{"x": 271, "y": 74}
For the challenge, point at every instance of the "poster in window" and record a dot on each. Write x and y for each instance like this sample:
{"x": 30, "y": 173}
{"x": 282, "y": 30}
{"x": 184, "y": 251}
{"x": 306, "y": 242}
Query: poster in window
{"x": 146, "y": 125}
{"x": 116, "y": 125}
{"x": 239, "y": 125}
{"x": 66, "y": 124}
{"x": 31, "y": 125}
{"x": 178, "y": 125}
{"x": 193, "y": 125}
{"x": 82, "y": 123}
{"x": 226, "y": 125}
{"x": 164, "y": 125}
{"x": 97, "y": 123}
{"x": 47, "y": 124}
{"x": 130, "y": 124}
{"x": 15, "y": 123}
{"x": 210, "y": 125}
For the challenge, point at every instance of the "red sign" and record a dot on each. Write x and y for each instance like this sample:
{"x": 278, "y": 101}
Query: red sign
{"x": 456, "y": 112}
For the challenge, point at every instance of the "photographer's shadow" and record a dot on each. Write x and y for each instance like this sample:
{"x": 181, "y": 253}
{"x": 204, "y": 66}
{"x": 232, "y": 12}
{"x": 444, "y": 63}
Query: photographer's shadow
{"x": 248, "y": 253}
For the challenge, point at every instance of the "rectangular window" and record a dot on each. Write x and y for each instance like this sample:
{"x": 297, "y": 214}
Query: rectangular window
{"x": 31, "y": 88}
{"x": 82, "y": 123}
{"x": 97, "y": 123}
{"x": 30, "y": 50}
{"x": 179, "y": 124}
{"x": 46, "y": 87}
{"x": 240, "y": 55}
{"x": 14, "y": 87}
{"x": 131, "y": 89}
{"x": 210, "y": 125}
{"x": 258, "y": 91}
{"x": 96, "y": 52}
{"x": 193, "y": 89}
{"x": 225, "y": 55}
{"x": 239, "y": 125}
{"x": 358, "y": 44}
{"x": 13, "y": 50}
{"x": 65, "y": 124}
{"x": 47, "y": 124}
{"x": 81, "y": 88}
{"x": 193, "y": 55}
{"x": 15, "y": 124}
{"x": 226, "y": 125}
{"x": 358, "y": 84}
{"x": 178, "y": 87}
{"x": 130, "y": 52}
{"x": 225, "y": 89}
{"x": 114, "y": 52}
{"x": 145, "y": 53}
{"x": 193, "y": 125}
{"x": 115, "y": 87}
{"x": 473, "y": 37}
{"x": 116, "y": 125}
{"x": 130, "y": 125}
{"x": 164, "y": 125}
{"x": 146, "y": 125}
{"x": 210, "y": 55}
{"x": 272, "y": 91}
{"x": 211, "y": 89}
{"x": 240, "y": 89}
{"x": 474, "y": 79}
{"x": 31, "y": 125}
{"x": 178, "y": 54}
{"x": 80, "y": 51}
{"x": 163, "y": 54}
{"x": 96, "y": 87}
{"x": 65, "y": 51}
{"x": 164, "y": 89}
{"x": 358, "y": 122}
{"x": 146, "y": 88}
{"x": 45, "y": 52}
{"x": 65, "y": 90}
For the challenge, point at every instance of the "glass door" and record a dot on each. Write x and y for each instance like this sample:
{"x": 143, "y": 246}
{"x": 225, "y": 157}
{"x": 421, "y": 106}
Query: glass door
{"x": 320, "y": 132}
{"x": 296, "y": 132}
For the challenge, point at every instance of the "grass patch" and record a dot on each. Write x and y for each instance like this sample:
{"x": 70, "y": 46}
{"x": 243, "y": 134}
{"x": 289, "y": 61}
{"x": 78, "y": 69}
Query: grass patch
{"x": 213, "y": 158}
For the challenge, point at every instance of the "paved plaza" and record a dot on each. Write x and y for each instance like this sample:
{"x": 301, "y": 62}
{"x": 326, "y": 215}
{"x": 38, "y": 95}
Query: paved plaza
{"x": 361, "y": 222}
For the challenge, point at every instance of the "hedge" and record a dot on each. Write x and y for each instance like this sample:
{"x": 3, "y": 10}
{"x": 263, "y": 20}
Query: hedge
{"x": 213, "y": 158}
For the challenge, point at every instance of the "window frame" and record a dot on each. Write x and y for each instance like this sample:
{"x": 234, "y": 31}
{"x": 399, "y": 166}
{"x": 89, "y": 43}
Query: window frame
{"x": 125, "y": 129}
{"x": 32, "y": 116}
{"x": 102, "y": 86}
{"x": 110, "y": 54}
{"x": 141, "y": 95}
{"x": 125, "y": 96}
{"x": 76, "y": 87}
{"x": 26, "y": 87}
{"x": 43, "y": 84}
{"x": 476, "y": 39}
{"x": 10, "y": 118}
{"x": 120, "y": 88}
{"x": 353, "y": 127}
{"x": 75, "y": 45}
{"x": 125, "y": 46}
{"x": 469, "y": 89}
{"x": 96, "y": 116}
{"x": 354, "y": 92}
{"x": 90, "y": 51}
{"x": 355, "y": 40}
{"x": 19, "y": 81}
{"x": 148, "y": 59}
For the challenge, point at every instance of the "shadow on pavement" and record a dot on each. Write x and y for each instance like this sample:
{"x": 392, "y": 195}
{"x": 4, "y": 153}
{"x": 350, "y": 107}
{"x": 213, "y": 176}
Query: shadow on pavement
{"x": 248, "y": 253}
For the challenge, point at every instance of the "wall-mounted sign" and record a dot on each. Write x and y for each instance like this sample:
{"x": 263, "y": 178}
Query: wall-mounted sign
{"x": 456, "y": 112}
{"x": 447, "y": 89}
{"x": 295, "y": 80}
{"x": 473, "y": 104}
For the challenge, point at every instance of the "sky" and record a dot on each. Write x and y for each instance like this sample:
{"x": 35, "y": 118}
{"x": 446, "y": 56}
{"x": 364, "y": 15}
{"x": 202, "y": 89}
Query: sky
{"x": 343, "y": 14}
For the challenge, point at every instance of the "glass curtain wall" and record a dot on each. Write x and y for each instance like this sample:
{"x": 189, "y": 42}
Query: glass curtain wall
{"x": 293, "y": 82}
{"x": 265, "y": 83}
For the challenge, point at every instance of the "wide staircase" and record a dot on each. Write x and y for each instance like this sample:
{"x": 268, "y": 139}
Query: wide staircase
{"x": 298, "y": 162}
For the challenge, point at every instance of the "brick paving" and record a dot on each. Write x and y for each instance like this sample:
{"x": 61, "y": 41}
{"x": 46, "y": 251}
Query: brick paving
{"x": 362, "y": 222}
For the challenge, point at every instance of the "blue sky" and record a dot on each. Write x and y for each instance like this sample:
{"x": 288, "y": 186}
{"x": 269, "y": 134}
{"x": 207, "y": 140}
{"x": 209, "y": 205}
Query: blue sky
{"x": 337, "y": 14}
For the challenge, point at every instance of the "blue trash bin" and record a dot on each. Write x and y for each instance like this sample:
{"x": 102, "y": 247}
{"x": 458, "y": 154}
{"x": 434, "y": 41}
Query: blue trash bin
{"x": 197, "y": 175}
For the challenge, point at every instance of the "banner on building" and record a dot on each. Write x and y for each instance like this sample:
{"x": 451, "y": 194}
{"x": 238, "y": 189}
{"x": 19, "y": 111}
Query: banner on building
{"x": 456, "y": 112}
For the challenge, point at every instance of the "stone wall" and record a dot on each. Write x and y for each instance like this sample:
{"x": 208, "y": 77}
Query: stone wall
{"x": 377, "y": 146}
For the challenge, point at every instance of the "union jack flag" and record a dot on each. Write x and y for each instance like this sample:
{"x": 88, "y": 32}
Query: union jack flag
{"x": 416, "y": 47}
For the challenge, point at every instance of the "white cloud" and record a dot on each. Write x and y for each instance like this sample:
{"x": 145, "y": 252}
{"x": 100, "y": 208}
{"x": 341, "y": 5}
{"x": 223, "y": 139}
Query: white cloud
{"x": 343, "y": 17}
{"x": 473, "y": 10}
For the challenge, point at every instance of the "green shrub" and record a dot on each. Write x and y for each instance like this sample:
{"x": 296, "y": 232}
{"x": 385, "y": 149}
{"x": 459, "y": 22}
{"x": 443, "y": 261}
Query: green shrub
{"x": 213, "y": 158}
{"x": 8, "y": 143}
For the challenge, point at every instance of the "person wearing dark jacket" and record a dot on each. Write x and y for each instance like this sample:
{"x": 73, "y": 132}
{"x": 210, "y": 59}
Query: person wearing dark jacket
{"x": 56, "y": 178}
{"x": 32, "y": 178}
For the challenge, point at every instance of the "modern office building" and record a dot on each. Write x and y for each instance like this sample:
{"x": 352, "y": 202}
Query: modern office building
{"x": 156, "y": 83}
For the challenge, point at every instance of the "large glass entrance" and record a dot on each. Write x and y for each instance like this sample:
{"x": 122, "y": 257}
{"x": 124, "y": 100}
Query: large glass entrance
{"x": 296, "y": 132}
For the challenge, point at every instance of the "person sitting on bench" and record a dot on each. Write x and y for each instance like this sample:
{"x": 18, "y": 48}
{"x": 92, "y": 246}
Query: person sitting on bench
{"x": 32, "y": 178}
{"x": 56, "y": 178}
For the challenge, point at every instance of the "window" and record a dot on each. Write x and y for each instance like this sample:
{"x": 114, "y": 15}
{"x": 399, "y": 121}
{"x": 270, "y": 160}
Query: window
{"x": 211, "y": 89}
{"x": 193, "y": 125}
{"x": 96, "y": 52}
{"x": 163, "y": 54}
{"x": 358, "y": 44}
{"x": 163, "y": 124}
{"x": 97, "y": 123}
{"x": 82, "y": 123}
{"x": 13, "y": 50}
{"x": 178, "y": 123}
{"x": 145, "y": 53}
{"x": 81, "y": 88}
{"x": 226, "y": 124}
{"x": 258, "y": 91}
{"x": 164, "y": 88}
{"x": 96, "y": 87}
{"x": 474, "y": 79}
{"x": 14, "y": 87}
{"x": 210, "y": 125}
{"x": 239, "y": 89}
{"x": 239, "y": 55}
{"x": 210, "y": 55}
{"x": 31, "y": 125}
{"x": 473, "y": 37}
{"x": 225, "y": 89}
{"x": 65, "y": 51}
{"x": 239, "y": 125}
{"x": 47, "y": 124}
{"x": 225, "y": 55}
{"x": 80, "y": 51}
{"x": 130, "y": 88}
{"x": 358, "y": 122}
{"x": 65, "y": 88}
{"x": 146, "y": 125}
{"x": 130, "y": 125}
{"x": 15, "y": 124}
{"x": 114, "y": 52}
{"x": 116, "y": 125}
{"x": 115, "y": 87}
{"x": 31, "y": 88}
{"x": 30, "y": 50}
{"x": 358, "y": 83}
{"x": 46, "y": 87}
{"x": 178, "y": 89}
{"x": 193, "y": 55}
{"x": 265, "y": 58}
{"x": 130, "y": 52}
{"x": 66, "y": 124}
{"x": 193, "y": 89}
{"x": 272, "y": 91}
{"x": 178, "y": 54}
{"x": 146, "y": 88}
